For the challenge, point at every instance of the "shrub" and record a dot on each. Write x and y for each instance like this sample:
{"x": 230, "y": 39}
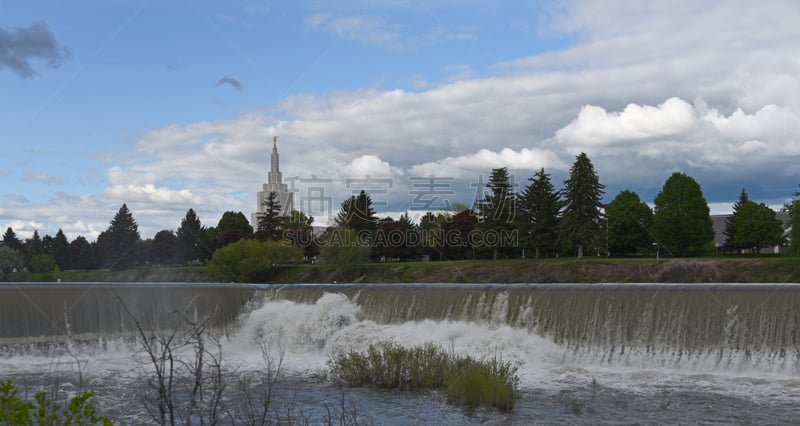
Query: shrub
{"x": 14, "y": 411}
{"x": 490, "y": 382}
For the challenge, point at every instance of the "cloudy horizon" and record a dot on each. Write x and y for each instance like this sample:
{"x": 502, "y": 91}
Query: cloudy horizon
{"x": 146, "y": 105}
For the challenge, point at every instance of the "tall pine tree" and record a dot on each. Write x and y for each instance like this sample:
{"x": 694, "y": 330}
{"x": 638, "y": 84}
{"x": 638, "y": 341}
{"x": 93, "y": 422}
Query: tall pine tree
{"x": 497, "y": 212}
{"x": 581, "y": 219}
{"x": 730, "y": 222}
{"x": 190, "y": 242}
{"x": 270, "y": 221}
{"x": 357, "y": 213}
{"x": 61, "y": 251}
{"x": 540, "y": 205}
{"x": 120, "y": 239}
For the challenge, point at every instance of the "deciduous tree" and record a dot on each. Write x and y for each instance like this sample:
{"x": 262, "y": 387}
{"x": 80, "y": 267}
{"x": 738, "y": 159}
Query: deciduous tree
{"x": 9, "y": 261}
{"x": 756, "y": 227}
{"x": 629, "y": 222}
{"x": 681, "y": 221}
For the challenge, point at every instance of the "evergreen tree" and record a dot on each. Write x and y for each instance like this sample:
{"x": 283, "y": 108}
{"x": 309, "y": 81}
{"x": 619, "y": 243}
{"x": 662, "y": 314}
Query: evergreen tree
{"x": 580, "y": 225}
{"x": 497, "y": 213}
{"x": 32, "y": 247}
{"x": 61, "y": 252}
{"x": 730, "y": 226}
{"x": 540, "y": 204}
{"x": 794, "y": 223}
{"x": 270, "y": 221}
{"x": 82, "y": 254}
{"x": 357, "y": 214}
{"x": 11, "y": 241}
{"x": 190, "y": 244}
{"x": 756, "y": 227}
{"x": 681, "y": 221}
{"x": 119, "y": 240}
{"x": 629, "y": 222}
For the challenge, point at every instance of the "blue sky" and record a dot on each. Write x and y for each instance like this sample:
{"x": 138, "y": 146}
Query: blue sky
{"x": 168, "y": 106}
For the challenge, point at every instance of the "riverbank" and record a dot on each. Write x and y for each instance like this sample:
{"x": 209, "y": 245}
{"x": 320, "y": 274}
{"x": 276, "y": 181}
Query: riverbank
{"x": 587, "y": 270}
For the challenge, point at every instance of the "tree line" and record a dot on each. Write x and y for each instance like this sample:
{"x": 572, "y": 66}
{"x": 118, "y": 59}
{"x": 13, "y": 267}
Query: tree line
{"x": 542, "y": 221}
{"x": 537, "y": 221}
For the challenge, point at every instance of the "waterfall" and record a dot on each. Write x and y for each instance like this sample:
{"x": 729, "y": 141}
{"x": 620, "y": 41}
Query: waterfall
{"x": 666, "y": 323}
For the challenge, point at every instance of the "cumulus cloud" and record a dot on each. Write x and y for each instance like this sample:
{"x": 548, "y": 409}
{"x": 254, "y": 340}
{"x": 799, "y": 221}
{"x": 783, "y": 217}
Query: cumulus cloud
{"x": 636, "y": 123}
{"x": 709, "y": 90}
{"x": 21, "y": 45}
{"x": 231, "y": 82}
{"x": 151, "y": 193}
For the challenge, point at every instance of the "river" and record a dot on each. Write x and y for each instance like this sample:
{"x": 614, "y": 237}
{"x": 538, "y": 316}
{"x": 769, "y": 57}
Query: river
{"x": 587, "y": 354}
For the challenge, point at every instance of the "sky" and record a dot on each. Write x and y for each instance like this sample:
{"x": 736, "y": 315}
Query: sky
{"x": 167, "y": 106}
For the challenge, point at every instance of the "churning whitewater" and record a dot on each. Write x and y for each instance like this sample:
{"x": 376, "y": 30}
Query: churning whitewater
{"x": 586, "y": 354}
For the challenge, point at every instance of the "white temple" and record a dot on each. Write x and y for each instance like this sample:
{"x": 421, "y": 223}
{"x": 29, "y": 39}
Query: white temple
{"x": 274, "y": 184}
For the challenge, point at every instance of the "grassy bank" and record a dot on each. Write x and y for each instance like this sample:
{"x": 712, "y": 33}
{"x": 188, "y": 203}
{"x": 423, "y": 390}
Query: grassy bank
{"x": 587, "y": 270}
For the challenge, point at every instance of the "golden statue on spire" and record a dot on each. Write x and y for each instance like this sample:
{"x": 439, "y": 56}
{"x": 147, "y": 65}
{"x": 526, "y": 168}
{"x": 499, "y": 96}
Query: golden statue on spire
{"x": 274, "y": 141}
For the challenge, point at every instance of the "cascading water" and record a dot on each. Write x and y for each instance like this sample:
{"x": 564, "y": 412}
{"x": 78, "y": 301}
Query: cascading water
{"x": 588, "y": 353}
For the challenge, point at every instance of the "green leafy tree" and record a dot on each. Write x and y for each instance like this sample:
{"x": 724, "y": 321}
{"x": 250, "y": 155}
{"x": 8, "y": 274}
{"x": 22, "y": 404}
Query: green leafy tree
{"x": 357, "y": 214}
{"x": 730, "y": 222}
{"x": 190, "y": 243}
{"x": 79, "y": 410}
{"x": 581, "y": 219}
{"x": 497, "y": 213}
{"x": 344, "y": 248}
{"x": 456, "y": 236}
{"x": 270, "y": 222}
{"x": 119, "y": 241}
{"x": 629, "y": 222}
{"x": 540, "y": 205}
{"x": 163, "y": 248}
{"x": 298, "y": 231}
{"x": 681, "y": 221}
{"x": 232, "y": 227}
{"x": 429, "y": 228}
{"x": 250, "y": 260}
{"x": 61, "y": 252}
{"x": 756, "y": 227}
{"x": 43, "y": 264}
{"x": 9, "y": 261}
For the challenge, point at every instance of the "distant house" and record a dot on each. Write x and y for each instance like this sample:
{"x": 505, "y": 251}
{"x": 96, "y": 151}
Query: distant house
{"x": 719, "y": 231}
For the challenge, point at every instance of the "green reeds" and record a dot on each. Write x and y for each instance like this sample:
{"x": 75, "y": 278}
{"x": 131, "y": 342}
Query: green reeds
{"x": 489, "y": 382}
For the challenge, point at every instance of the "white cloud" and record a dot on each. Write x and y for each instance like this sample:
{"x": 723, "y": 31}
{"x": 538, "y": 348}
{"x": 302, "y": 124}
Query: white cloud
{"x": 151, "y": 193}
{"x": 710, "y": 90}
{"x": 636, "y": 123}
